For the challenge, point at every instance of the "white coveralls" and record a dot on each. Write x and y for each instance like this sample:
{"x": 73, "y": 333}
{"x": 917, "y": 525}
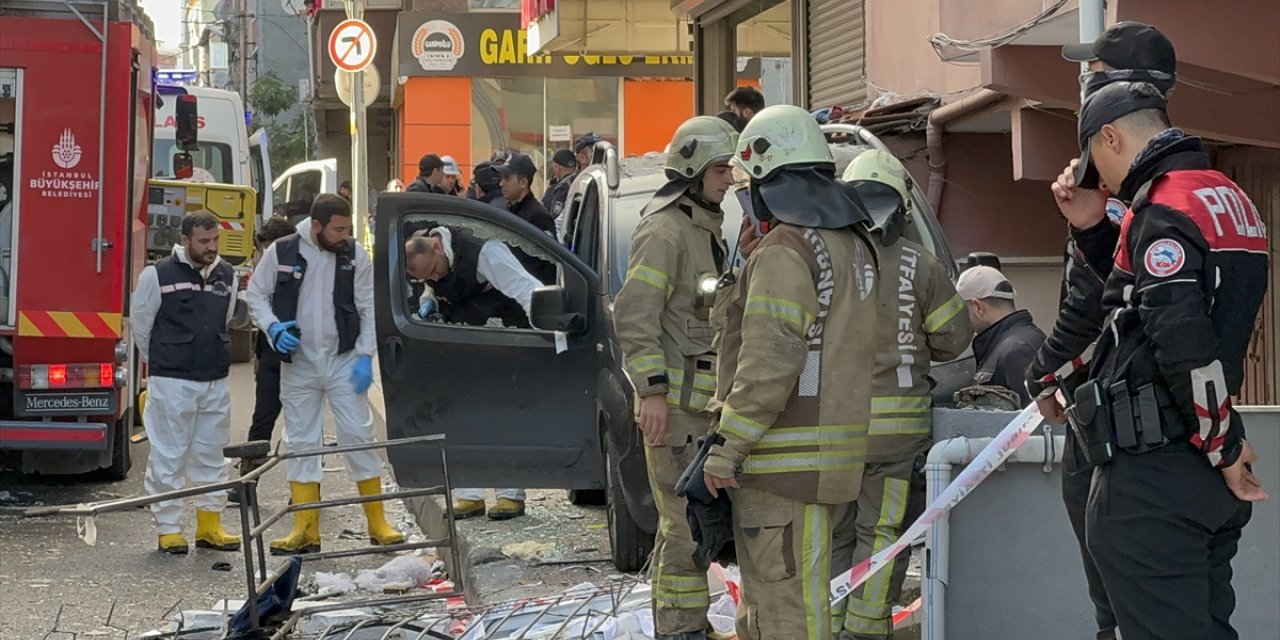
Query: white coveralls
{"x": 187, "y": 422}
{"x": 318, "y": 373}
{"x": 500, "y": 268}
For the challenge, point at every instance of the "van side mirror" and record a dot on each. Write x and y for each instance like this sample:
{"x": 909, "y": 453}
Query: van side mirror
{"x": 612, "y": 172}
{"x": 982, "y": 258}
{"x": 549, "y": 308}
{"x": 186, "y": 122}
{"x": 183, "y": 165}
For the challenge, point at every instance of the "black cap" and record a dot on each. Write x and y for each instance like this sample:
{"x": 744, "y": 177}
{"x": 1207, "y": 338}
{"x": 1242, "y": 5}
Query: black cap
{"x": 486, "y": 174}
{"x": 498, "y": 157}
{"x": 588, "y": 139}
{"x": 1127, "y": 45}
{"x": 565, "y": 158}
{"x": 1106, "y": 105}
{"x": 429, "y": 163}
{"x": 520, "y": 164}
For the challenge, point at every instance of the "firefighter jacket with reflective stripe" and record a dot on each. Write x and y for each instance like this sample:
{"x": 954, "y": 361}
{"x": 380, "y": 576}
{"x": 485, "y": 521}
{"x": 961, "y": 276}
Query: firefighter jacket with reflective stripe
{"x": 292, "y": 269}
{"x": 1183, "y": 293}
{"x": 662, "y": 313}
{"x": 189, "y": 339}
{"x": 797, "y": 387}
{"x": 922, "y": 319}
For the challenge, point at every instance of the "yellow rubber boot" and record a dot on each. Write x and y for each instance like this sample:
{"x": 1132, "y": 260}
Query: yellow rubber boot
{"x": 211, "y": 535}
{"x": 173, "y": 543}
{"x": 381, "y": 533}
{"x": 305, "y": 537}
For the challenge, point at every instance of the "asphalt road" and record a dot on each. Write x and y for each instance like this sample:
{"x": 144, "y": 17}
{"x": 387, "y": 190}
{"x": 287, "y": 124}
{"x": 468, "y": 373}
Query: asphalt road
{"x": 44, "y": 565}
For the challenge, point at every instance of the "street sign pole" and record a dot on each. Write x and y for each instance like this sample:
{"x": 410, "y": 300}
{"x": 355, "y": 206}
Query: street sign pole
{"x": 359, "y": 146}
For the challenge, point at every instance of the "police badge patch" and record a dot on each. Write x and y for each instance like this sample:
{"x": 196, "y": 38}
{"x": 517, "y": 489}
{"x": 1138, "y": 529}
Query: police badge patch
{"x": 1164, "y": 258}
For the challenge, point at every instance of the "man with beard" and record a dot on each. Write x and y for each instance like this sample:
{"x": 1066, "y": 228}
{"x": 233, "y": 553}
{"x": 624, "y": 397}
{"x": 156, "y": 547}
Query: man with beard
{"x": 179, "y": 319}
{"x": 312, "y": 293}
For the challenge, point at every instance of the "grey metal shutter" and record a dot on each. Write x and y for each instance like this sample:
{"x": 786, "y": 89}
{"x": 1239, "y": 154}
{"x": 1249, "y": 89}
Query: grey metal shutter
{"x": 836, "y": 53}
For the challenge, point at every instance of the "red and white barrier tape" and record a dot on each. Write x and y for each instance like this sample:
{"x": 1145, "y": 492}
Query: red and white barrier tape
{"x": 991, "y": 457}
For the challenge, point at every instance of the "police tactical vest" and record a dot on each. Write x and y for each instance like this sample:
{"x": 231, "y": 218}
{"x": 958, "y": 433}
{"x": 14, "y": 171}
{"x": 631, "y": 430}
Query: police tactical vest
{"x": 189, "y": 339}
{"x": 293, "y": 269}
{"x": 462, "y": 283}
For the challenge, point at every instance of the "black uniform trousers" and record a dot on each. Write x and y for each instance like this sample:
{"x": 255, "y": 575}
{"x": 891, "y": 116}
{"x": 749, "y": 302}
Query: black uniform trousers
{"x": 1076, "y": 480}
{"x": 266, "y": 408}
{"x": 1163, "y": 527}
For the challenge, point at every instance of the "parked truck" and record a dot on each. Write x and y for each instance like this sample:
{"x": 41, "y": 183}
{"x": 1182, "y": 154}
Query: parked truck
{"x": 77, "y": 106}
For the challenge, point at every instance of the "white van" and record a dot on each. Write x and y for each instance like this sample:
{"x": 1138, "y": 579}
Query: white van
{"x": 225, "y": 150}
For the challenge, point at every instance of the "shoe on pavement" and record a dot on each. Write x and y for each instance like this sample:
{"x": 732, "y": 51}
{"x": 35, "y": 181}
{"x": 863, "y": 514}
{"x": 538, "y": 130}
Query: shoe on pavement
{"x": 463, "y": 509}
{"x": 211, "y": 535}
{"x": 305, "y": 536}
{"x": 381, "y": 533}
{"x": 506, "y": 509}
{"x": 173, "y": 543}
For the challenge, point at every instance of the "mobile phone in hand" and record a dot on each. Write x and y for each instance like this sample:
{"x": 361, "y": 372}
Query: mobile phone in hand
{"x": 744, "y": 199}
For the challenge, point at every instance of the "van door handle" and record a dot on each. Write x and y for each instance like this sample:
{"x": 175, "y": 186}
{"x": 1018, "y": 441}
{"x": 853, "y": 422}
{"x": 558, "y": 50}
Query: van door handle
{"x": 394, "y": 350}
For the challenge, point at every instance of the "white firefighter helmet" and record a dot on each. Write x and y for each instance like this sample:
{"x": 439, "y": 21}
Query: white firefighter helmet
{"x": 884, "y": 187}
{"x": 698, "y": 143}
{"x": 779, "y": 136}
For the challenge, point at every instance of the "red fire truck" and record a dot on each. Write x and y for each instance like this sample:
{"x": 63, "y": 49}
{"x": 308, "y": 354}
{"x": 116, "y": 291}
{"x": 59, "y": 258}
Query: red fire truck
{"x": 76, "y": 117}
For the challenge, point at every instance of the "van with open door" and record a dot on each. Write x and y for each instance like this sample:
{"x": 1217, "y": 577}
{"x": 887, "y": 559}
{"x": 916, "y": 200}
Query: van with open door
{"x": 301, "y": 183}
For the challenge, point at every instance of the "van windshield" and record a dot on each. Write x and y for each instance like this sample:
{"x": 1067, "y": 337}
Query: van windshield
{"x": 626, "y": 216}
{"x": 210, "y": 156}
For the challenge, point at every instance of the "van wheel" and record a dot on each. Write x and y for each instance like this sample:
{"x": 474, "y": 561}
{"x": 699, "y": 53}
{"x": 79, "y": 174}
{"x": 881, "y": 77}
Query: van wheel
{"x": 630, "y": 544}
{"x": 588, "y": 497}
{"x": 121, "y": 460}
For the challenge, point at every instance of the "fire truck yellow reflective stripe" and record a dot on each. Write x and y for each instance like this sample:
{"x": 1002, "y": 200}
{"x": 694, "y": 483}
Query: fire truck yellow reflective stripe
{"x": 939, "y": 317}
{"x": 779, "y": 309}
{"x": 900, "y": 404}
{"x": 651, "y": 277}
{"x": 901, "y": 426}
{"x": 70, "y": 324}
{"x": 785, "y": 437}
{"x": 738, "y": 426}
{"x": 646, "y": 364}
{"x": 815, "y": 569}
{"x": 757, "y": 464}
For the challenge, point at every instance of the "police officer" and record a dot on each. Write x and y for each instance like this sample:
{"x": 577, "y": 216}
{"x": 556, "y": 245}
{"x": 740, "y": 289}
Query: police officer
{"x": 797, "y": 385}
{"x": 517, "y": 187}
{"x": 1189, "y": 272}
{"x": 319, "y": 283}
{"x": 565, "y": 168}
{"x": 430, "y": 175}
{"x": 1125, "y": 50}
{"x": 662, "y": 318}
{"x": 921, "y": 320}
{"x": 179, "y": 317}
{"x": 485, "y": 181}
{"x": 584, "y": 149}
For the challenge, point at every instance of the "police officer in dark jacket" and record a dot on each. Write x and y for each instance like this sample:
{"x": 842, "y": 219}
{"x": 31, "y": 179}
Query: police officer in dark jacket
{"x": 517, "y": 176}
{"x": 565, "y": 166}
{"x": 1184, "y": 275}
{"x": 485, "y": 181}
{"x": 1125, "y": 51}
{"x": 1006, "y": 338}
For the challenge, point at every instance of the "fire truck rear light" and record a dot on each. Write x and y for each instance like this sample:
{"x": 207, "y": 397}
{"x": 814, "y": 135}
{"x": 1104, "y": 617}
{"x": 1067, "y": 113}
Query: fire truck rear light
{"x": 92, "y": 375}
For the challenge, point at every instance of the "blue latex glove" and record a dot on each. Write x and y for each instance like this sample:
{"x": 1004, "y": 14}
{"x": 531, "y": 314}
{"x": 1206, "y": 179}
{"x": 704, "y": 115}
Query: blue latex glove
{"x": 362, "y": 374}
{"x": 429, "y": 307}
{"x": 281, "y": 339}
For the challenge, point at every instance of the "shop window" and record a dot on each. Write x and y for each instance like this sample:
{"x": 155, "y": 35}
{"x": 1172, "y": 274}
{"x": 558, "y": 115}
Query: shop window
{"x": 521, "y": 114}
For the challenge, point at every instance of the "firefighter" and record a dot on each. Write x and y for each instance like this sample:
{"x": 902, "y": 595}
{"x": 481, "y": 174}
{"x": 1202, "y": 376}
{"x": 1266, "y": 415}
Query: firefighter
{"x": 662, "y": 318}
{"x": 179, "y": 318}
{"x": 1181, "y": 296}
{"x": 797, "y": 385}
{"x": 921, "y": 320}
{"x": 320, "y": 283}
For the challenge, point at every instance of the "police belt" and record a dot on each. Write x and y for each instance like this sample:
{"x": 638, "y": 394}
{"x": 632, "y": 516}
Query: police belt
{"x": 1109, "y": 417}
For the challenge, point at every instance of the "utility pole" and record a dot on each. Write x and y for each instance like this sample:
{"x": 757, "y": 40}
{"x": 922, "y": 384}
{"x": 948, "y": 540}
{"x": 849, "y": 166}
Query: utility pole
{"x": 244, "y": 51}
{"x": 359, "y": 143}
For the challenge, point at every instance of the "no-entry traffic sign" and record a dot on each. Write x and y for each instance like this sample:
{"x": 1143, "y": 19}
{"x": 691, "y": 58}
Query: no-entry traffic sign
{"x": 351, "y": 45}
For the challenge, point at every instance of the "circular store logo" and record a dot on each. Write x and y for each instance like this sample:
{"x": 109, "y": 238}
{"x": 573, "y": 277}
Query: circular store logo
{"x": 438, "y": 45}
